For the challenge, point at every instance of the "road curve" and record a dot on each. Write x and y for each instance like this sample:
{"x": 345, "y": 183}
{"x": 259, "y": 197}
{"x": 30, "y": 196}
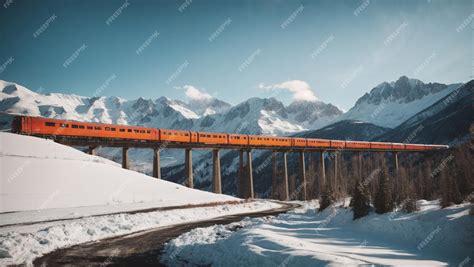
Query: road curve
{"x": 138, "y": 249}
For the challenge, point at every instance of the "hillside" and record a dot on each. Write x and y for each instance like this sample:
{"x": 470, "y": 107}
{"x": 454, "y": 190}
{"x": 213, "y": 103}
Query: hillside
{"x": 347, "y": 130}
{"x": 41, "y": 174}
{"x": 451, "y": 118}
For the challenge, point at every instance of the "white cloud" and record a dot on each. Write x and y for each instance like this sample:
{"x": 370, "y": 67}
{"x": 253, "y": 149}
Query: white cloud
{"x": 300, "y": 89}
{"x": 195, "y": 94}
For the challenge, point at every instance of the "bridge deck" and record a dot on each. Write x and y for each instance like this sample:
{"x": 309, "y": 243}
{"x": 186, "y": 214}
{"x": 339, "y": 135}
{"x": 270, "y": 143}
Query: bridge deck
{"x": 103, "y": 142}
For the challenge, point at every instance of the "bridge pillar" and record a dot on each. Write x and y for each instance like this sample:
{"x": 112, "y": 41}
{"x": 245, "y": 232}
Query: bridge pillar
{"x": 216, "y": 172}
{"x": 285, "y": 177}
{"x": 241, "y": 174}
{"x": 274, "y": 175}
{"x": 250, "y": 193}
{"x": 303, "y": 176}
{"x": 323, "y": 171}
{"x": 188, "y": 167}
{"x": 156, "y": 163}
{"x": 359, "y": 156}
{"x": 335, "y": 172}
{"x": 395, "y": 155}
{"x": 93, "y": 150}
{"x": 125, "y": 158}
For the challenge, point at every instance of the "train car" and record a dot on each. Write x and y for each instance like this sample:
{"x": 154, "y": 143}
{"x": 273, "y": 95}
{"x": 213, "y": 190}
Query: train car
{"x": 53, "y": 127}
{"x": 380, "y": 145}
{"x": 175, "y": 136}
{"x": 338, "y": 144}
{"x": 272, "y": 141}
{"x": 213, "y": 138}
{"x": 357, "y": 145}
{"x": 280, "y": 141}
{"x": 298, "y": 142}
{"x": 238, "y": 139}
{"x": 416, "y": 147}
{"x": 318, "y": 143}
{"x": 398, "y": 146}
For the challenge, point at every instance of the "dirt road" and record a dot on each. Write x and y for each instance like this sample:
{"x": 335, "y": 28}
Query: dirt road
{"x": 138, "y": 249}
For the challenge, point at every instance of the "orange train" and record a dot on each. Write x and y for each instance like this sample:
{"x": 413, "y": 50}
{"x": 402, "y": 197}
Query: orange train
{"x": 54, "y": 127}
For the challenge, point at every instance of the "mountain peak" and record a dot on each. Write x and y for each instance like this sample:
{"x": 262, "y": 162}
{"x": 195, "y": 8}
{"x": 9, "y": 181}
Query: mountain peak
{"x": 389, "y": 104}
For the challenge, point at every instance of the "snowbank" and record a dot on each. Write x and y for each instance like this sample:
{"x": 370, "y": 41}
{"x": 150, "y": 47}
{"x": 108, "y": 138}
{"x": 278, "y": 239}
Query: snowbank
{"x": 431, "y": 236}
{"x": 38, "y": 175}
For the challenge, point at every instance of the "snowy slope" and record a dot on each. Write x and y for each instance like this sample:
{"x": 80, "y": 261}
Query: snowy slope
{"x": 54, "y": 196}
{"x": 429, "y": 237}
{"x": 390, "y": 104}
{"x": 38, "y": 174}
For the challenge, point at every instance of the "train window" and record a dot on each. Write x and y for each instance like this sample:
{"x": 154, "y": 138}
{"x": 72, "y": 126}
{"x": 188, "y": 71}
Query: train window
{"x": 142, "y": 131}
{"x": 89, "y": 128}
{"x": 50, "y": 124}
{"x": 97, "y": 128}
{"x": 148, "y": 131}
{"x": 121, "y": 130}
{"x": 63, "y": 125}
{"x": 107, "y": 128}
{"x": 135, "y": 130}
{"x": 184, "y": 134}
{"x": 113, "y": 129}
{"x": 81, "y": 127}
{"x": 74, "y": 126}
{"x": 208, "y": 135}
{"x": 129, "y": 130}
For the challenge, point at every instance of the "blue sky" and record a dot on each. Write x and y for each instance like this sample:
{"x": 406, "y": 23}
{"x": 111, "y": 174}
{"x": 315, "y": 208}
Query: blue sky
{"x": 233, "y": 50}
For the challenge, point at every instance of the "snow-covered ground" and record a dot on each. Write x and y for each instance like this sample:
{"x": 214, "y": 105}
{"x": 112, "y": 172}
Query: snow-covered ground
{"x": 38, "y": 175}
{"x": 49, "y": 193}
{"x": 23, "y": 243}
{"x": 429, "y": 237}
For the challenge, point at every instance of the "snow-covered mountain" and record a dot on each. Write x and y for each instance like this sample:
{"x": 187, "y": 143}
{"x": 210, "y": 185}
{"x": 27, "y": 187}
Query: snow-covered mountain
{"x": 390, "y": 104}
{"x": 449, "y": 121}
{"x": 161, "y": 112}
{"x": 270, "y": 116}
{"x": 313, "y": 115}
{"x": 208, "y": 106}
{"x": 254, "y": 116}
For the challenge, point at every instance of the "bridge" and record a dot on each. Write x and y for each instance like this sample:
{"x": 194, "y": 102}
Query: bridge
{"x": 83, "y": 134}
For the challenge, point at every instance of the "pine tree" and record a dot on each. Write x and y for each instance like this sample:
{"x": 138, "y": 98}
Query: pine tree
{"x": 409, "y": 205}
{"x": 383, "y": 200}
{"x": 327, "y": 198}
{"x": 360, "y": 201}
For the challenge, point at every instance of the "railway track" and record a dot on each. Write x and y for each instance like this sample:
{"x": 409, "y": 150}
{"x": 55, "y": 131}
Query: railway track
{"x": 139, "y": 249}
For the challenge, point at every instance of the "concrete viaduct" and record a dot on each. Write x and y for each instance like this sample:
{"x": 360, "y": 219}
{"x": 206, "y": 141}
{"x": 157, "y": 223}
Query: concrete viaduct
{"x": 245, "y": 160}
